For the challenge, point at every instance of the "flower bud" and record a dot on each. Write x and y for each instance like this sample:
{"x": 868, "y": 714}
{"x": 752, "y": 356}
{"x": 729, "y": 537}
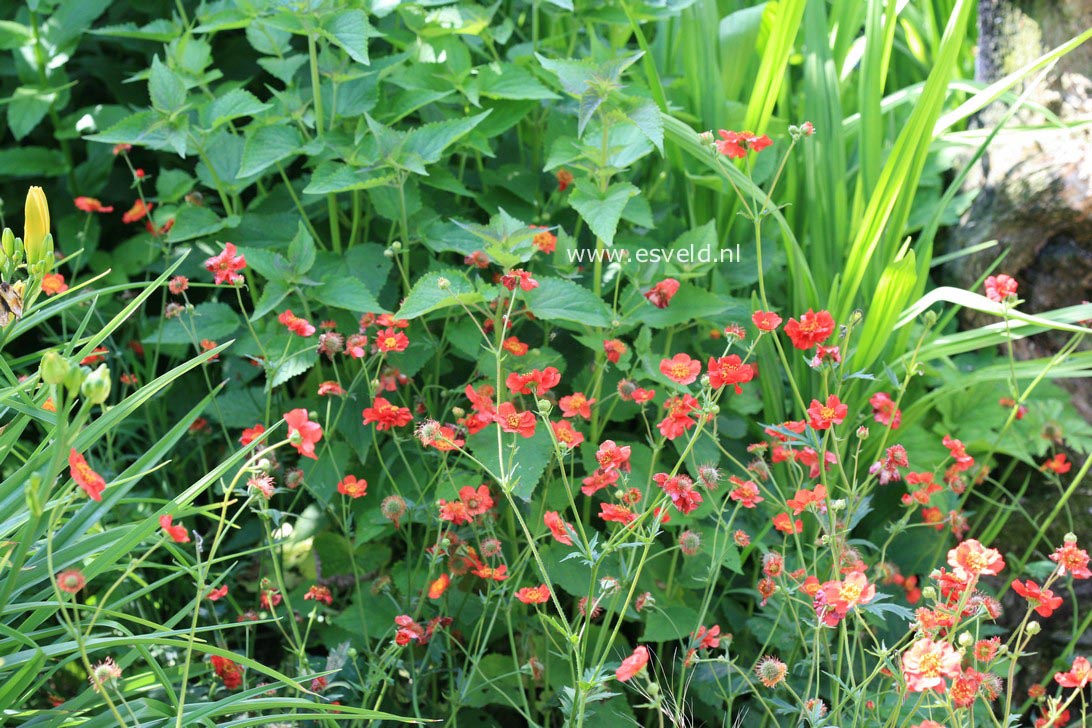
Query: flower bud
{"x": 706, "y": 138}
{"x": 53, "y": 367}
{"x": 1034, "y": 628}
{"x": 396, "y": 246}
{"x": 965, "y": 639}
{"x": 930, "y": 318}
{"x": 443, "y": 283}
{"x": 96, "y": 385}
{"x": 74, "y": 379}
{"x": 929, "y": 593}
{"x": 7, "y": 242}
{"x": 36, "y": 226}
{"x": 1070, "y": 538}
{"x": 544, "y": 406}
{"x": 862, "y": 433}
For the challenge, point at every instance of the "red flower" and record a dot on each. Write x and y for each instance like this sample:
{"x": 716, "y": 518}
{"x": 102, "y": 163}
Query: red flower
{"x": 558, "y": 527}
{"x": 576, "y": 405}
{"x": 496, "y": 573}
{"x": 680, "y": 368}
{"x": 353, "y": 487}
{"x": 295, "y": 324}
{"x": 784, "y": 523}
{"x": 745, "y": 493}
{"x": 228, "y": 671}
{"x": 437, "y": 588}
{"x": 736, "y": 144}
{"x": 805, "y": 498}
{"x": 1041, "y": 600}
{"x": 766, "y": 320}
{"x": 1079, "y": 675}
{"x": 330, "y": 388}
{"x": 441, "y": 437}
{"x": 707, "y": 639}
{"x": 660, "y": 295}
{"x": 567, "y": 436}
{"x": 250, "y": 434}
{"x": 613, "y": 457}
{"x": 319, "y": 594}
{"x": 520, "y": 278}
{"x": 1072, "y": 559}
{"x": 514, "y": 346}
{"x": 386, "y": 415}
{"x": 1000, "y": 287}
{"x": 512, "y": 421}
{"x": 618, "y": 514}
{"x": 302, "y": 433}
{"x": 812, "y": 328}
{"x": 90, "y": 204}
{"x": 137, "y": 211}
{"x": 564, "y": 179}
{"x": 53, "y": 283}
{"x": 971, "y": 559}
{"x": 824, "y": 416}
{"x": 927, "y": 663}
{"x": 534, "y": 594}
{"x": 729, "y": 370}
{"x": 884, "y": 410}
{"x": 614, "y": 349}
{"x": 534, "y": 382}
{"x": 545, "y": 241}
{"x": 218, "y": 593}
{"x": 391, "y": 340}
{"x": 71, "y": 581}
{"x": 95, "y": 356}
{"x": 632, "y": 664}
{"x": 841, "y": 596}
{"x": 177, "y": 532}
{"x": 91, "y": 482}
{"x": 1057, "y": 464}
{"x": 225, "y": 267}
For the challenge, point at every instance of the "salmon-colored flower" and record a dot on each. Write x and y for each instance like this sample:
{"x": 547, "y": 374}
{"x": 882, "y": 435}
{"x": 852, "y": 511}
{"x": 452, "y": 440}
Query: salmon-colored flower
{"x": 437, "y": 588}
{"x": 391, "y": 340}
{"x": 319, "y": 593}
{"x": 386, "y": 415}
{"x": 1072, "y": 559}
{"x": 736, "y": 144}
{"x": 784, "y": 523}
{"x": 225, "y": 267}
{"x": 534, "y": 594}
{"x": 91, "y": 482}
{"x": 1057, "y": 464}
{"x": 564, "y": 179}
{"x": 730, "y": 370}
{"x": 176, "y": 531}
{"x": 218, "y": 593}
{"x": 511, "y": 420}
{"x": 576, "y": 405}
{"x": 614, "y": 349}
{"x": 138, "y": 211}
{"x": 812, "y": 328}
{"x": 927, "y": 663}
{"x": 680, "y": 368}
{"x": 766, "y": 320}
{"x": 633, "y": 664}
{"x": 971, "y": 559}
{"x": 71, "y": 580}
{"x": 611, "y": 512}
{"x": 518, "y": 277}
{"x": 1041, "y": 600}
{"x": 660, "y": 295}
{"x": 53, "y": 283}
{"x": 228, "y": 671}
{"x": 545, "y": 241}
{"x": 330, "y": 388}
{"x": 558, "y": 527}
{"x": 1079, "y": 675}
{"x": 1000, "y": 287}
{"x": 824, "y": 416}
{"x": 514, "y": 346}
{"x": 302, "y": 433}
{"x": 90, "y": 204}
{"x": 567, "y": 436}
{"x": 884, "y": 410}
{"x": 353, "y": 487}
{"x": 250, "y": 434}
{"x": 295, "y": 324}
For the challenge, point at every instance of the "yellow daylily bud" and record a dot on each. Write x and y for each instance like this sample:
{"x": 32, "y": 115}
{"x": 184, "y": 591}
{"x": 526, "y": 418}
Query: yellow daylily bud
{"x": 36, "y": 227}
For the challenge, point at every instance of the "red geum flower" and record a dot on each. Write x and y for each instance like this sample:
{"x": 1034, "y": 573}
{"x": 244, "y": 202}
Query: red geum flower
{"x": 386, "y": 415}
{"x": 611, "y": 512}
{"x": 576, "y": 405}
{"x": 53, "y": 283}
{"x": 496, "y": 573}
{"x": 566, "y": 434}
{"x": 91, "y": 482}
{"x": 353, "y": 487}
{"x": 972, "y": 559}
{"x": 812, "y": 328}
{"x": 558, "y": 527}
{"x": 90, "y": 204}
{"x": 518, "y": 277}
{"x": 534, "y": 594}
{"x": 614, "y": 349}
{"x": 71, "y": 581}
{"x": 660, "y": 295}
{"x": 1072, "y": 559}
{"x": 319, "y": 594}
{"x": 884, "y": 410}
{"x": 545, "y": 241}
{"x": 228, "y": 671}
{"x": 598, "y": 480}
{"x": 766, "y": 320}
{"x": 437, "y": 588}
{"x": 611, "y": 456}
{"x": 745, "y": 493}
{"x": 137, "y": 211}
{"x": 178, "y": 285}
{"x": 824, "y": 416}
{"x": 391, "y": 340}
{"x": 225, "y": 267}
{"x": 177, "y": 532}
{"x": 1041, "y": 600}
{"x": 330, "y": 388}
{"x": 534, "y": 381}
{"x": 514, "y": 346}
{"x": 736, "y": 144}
{"x": 302, "y": 433}
{"x": 250, "y": 434}
{"x": 295, "y": 324}
{"x": 784, "y": 523}
{"x": 729, "y": 370}
{"x": 564, "y": 179}
{"x": 1056, "y": 464}
{"x": 680, "y": 368}
{"x": 1000, "y": 287}
{"x": 805, "y": 498}
{"x": 218, "y": 593}
{"x": 632, "y": 664}
{"x": 511, "y": 420}
{"x": 1079, "y": 675}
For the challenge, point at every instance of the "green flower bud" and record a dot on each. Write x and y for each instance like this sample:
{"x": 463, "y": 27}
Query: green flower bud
{"x": 74, "y": 379}
{"x": 96, "y": 386}
{"x": 8, "y": 243}
{"x": 36, "y": 226}
{"x": 1034, "y": 628}
{"x": 53, "y": 368}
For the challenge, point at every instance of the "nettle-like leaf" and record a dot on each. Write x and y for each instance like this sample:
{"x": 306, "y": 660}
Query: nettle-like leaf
{"x": 427, "y": 295}
{"x": 506, "y": 240}
{"x": 349, "y": 30}
{"x": 557, "y": 299}
{"x": 602, "y": 210}
{"x": 267, "y": 146}
{"x": 165, "y": 88}
{"x": 232, "y": 105}
{"x": 590, "y": 81}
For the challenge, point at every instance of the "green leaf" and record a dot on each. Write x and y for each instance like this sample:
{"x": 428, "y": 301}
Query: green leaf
{"x": 232, "y": 105}
{"x": 525, "y": 459}
{"x": 301, "y": 251}
{"x": 171, "y": 185}
{"x": 27, "y": 108}
{"x": 602, "y": 210}
{"x": 348, "y": 294}
{"x": 557, "y": 299}
{"x": 646, "y": 117}
{"x": 14, "y": 35}
{"x": 340, "y": 177}
{"x": 509, "y": 81}
{"x": 897, "y": 284}
{"x": 267, "y": 146}
{"x": 293, "y": 366}
{"x": 430, "y": 140}
{"x": 165, "y": 87}
{"x": 194, "y": 222}
{"x": 31, "y": 162}
{"x": 349, "y": 30}
{"x": 673, "y": 622}
{"x": 427, "y": 296}
{"x": 160, "y": 30}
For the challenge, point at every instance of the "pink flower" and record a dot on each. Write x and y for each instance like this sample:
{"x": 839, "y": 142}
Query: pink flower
{"x": 632, "y": 664}
{"x": 225, "y": 267}
{"x": 927, "y": 663}
{"x": 302, "y": 433}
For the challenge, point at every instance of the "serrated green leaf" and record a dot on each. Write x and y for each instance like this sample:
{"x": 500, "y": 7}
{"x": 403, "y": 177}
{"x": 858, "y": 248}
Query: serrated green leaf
{"x": 602, "y": 210}
{"x": 267, "y": 146}
{"x": 347, "y": 294}
{"x": 160, "y": 30}
{"x": 232, "y": 105}
{"x": 212, "y": 320}
{"x": 646, "y": 117}
{"x": 340, "y": 177}
{"x": 194, "y": 222}
{"x": 672, "y": 622}
{"x": 532, "y": 455}
{"x": 165, "y": 87}
{"x": 556, "y": 299}
{"x": 27, "y": 108}
{"x": 293, "y": 366}
{"x": 509, "y": 81}
{"x": 427, "y": 296}
{"x": 301, "y": 251}
{"x": 349, "y": 30}
{"x": 430, "y": 140}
